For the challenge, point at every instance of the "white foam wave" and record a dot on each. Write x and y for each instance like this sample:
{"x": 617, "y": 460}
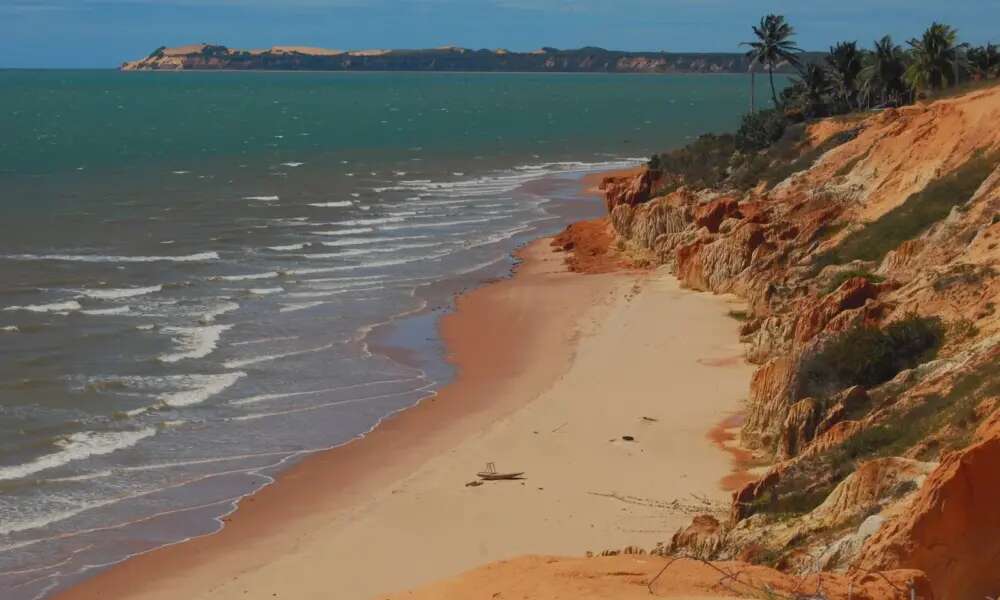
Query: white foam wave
{"x": 288, "y": 308}
{"x": 199, "y": 388}
{"x": 44, "y": 308}
{"x": 266, "y": 397}
{"x": 217, "y": 311}
{"x": 345, "y": 231}
{"x": 376, "y": 221}
{"x": 262, "y": 198}
{"x": 98, "y": 312}
{"x": 10, "y": 329}
{"x": 369, "y": 265}
{"x": 287, "y": 248}
{"x": 302, "y": 409}
{"x": 266, "y": 291}
{"x": 265, "y": 340}
{"x": 250, "y": 277}
{"x": 292, "y": 164}
{"x": 78, "y": 446}
{"x": 194, "y": 342}
{"x": 341, "y": 204}
{"x": 373, "y": 240}
{"x": 236, "y": 364}
{"x": 441, "y": 224}
{"x": 328, "y": 293}
{"x": 200, "y": 257}
{"x": 115, "y": 294}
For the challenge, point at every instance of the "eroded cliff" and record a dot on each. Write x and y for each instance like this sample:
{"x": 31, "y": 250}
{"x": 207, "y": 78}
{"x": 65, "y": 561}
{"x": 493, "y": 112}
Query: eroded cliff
{"x": 868, "y": 252}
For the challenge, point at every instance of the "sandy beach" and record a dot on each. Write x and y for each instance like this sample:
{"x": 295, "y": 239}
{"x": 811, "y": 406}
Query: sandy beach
{"x": 555, "y": 371}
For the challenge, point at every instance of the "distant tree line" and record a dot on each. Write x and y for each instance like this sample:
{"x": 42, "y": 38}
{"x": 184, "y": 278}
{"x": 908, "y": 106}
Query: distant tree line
{"x": 851, "y": 78}
{"x": 768, "y": 145}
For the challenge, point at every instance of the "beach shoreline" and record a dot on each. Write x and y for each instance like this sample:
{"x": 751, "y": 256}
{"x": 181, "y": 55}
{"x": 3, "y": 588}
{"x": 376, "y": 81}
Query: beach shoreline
{"x": 521, "y": 347}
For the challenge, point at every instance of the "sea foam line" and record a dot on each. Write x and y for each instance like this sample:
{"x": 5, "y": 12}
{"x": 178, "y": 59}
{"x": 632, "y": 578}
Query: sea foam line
{"x": 266, "y": 397}
{"x": 236, "y": 364}
{"x": 44, "y": 308}
{"x": 195, "y": 342}
{"x": 202, "y": 256}
{"x": 200, "y": 388}
{"x": 292, "y": 411}
{"x": 341, "y": 204}
{"x": 78, "y": 446}
{"x": 114, "y": 294}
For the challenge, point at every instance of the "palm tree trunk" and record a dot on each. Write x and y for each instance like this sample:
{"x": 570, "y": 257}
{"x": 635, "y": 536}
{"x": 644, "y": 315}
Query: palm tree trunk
{"x": 770, "y": 75}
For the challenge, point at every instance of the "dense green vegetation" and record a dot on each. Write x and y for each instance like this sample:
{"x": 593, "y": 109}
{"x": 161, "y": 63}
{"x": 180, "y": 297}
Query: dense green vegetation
{"x": 868, "y": 356}
{"x": 914, "y": 216}
{"x": 767, "y": 147}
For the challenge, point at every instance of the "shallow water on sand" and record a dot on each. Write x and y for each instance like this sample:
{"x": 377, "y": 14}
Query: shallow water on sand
{"x": 190, "y": 265}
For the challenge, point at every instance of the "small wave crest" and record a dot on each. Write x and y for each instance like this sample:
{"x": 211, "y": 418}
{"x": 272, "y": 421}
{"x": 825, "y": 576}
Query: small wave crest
{"x": 78, "y": 446}
{"x": 196, "y": 389}
{"x": 345, "y": 231}
{"x": 115, "y": 294}
{"x": 95, "y": 258}
{"x": 193, "y": 342}
{"x": 249, "y": 276}
{"x": 46, "y": 308}
{"x": 102, "y": 312}
{"x": 341, "y": 204}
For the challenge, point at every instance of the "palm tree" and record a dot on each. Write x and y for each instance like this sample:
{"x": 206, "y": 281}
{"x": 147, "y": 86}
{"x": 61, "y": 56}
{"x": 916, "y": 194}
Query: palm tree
{"x": 774, "y": 45}
{"x": 883, "y": 73}
{"x": 984, "y": 61}
{"x": 814, "y": 86}
{"x": 845, "y": 64}
{"x": 935, "y": 58}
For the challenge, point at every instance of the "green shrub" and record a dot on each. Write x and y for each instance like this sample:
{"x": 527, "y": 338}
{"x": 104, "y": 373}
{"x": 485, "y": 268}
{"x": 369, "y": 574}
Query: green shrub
{"x": 914, "y": 216}
{"x": 759, "y": 130}
{"x": 839, "y": 279}
{"x": 867, "y": 356}
{"x": 701, "y": 164}
{"x": 805, "y": 160}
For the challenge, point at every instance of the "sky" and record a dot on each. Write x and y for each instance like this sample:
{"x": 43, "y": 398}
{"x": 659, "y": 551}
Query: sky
{"x": 104, "y": 33}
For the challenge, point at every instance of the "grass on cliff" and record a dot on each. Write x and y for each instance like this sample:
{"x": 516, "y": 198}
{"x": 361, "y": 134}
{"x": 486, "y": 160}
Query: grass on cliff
{"x": 939, "y": 422}
{"x": 839, "y": 279}
{"x": 781, "y": 170}
{"x": 953, "y": 415}
{"x": 914, "y": 216}
{"x": 868, "y": 356}
{"x": 703, "y": 163}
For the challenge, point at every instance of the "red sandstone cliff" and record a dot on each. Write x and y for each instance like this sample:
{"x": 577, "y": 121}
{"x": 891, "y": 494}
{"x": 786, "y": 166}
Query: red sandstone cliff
{"x": 874, "y": 477}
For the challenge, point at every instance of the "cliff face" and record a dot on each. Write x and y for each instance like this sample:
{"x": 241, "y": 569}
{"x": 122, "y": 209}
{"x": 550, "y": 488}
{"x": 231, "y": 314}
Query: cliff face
{"x": 895, "y": 230}
{"x": 213, "y": 57}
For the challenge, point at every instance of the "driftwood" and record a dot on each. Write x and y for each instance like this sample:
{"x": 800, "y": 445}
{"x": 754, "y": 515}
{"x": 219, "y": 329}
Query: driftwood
{"x": 491, "y": 474}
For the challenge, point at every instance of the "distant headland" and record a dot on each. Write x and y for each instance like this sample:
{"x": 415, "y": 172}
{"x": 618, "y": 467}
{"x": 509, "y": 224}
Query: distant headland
{"x": 447, "y": 58}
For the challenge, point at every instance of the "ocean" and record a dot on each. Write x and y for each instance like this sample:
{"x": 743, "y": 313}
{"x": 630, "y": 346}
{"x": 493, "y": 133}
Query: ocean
{"x": 192, "y": 266}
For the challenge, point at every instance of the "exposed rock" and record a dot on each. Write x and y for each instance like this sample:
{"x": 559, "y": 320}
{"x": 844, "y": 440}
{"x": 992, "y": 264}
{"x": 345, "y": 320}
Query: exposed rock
{"x": 868, "y": 487}
{"x": 704, "y": 537}
{"x": 854, "y": 451}
{"x": 950, "y": 532}
{"x": 799, "y": 427}
{"x": 589, "y": 246}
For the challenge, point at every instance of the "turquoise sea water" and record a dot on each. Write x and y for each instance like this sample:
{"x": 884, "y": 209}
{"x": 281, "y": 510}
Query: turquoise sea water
{"x": 191, "y": 263}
